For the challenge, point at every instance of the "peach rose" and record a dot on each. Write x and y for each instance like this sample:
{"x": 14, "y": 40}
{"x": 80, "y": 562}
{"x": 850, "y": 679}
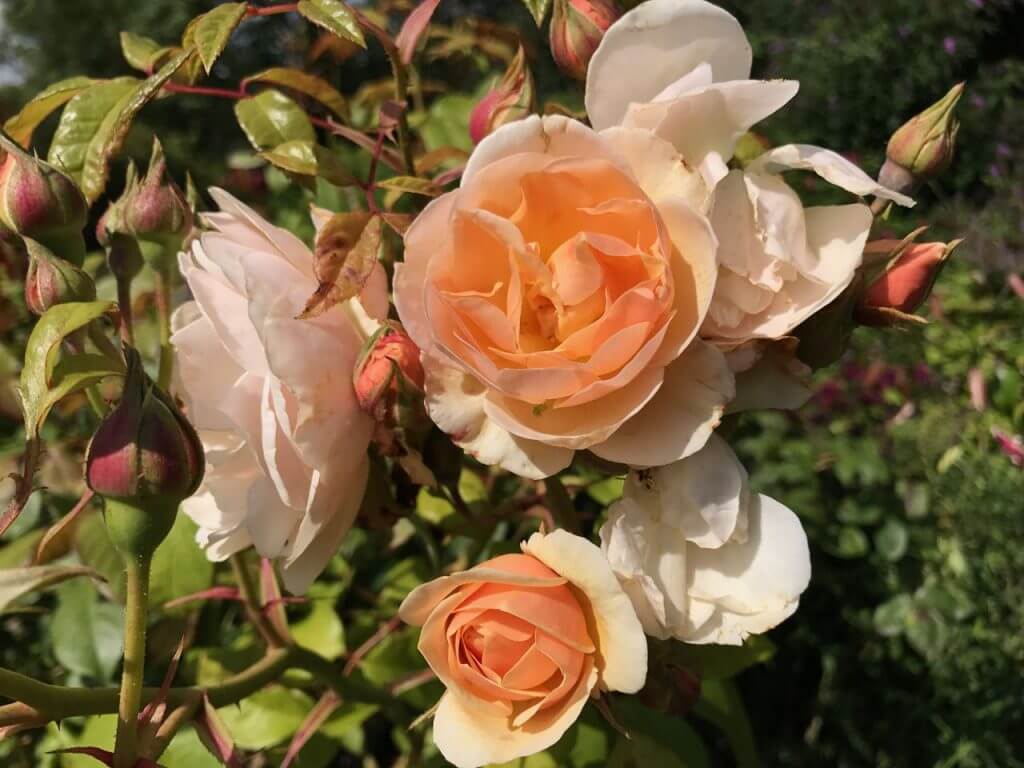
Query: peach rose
{"x": 557, "y": 297}
{"x": 521, "y": 642}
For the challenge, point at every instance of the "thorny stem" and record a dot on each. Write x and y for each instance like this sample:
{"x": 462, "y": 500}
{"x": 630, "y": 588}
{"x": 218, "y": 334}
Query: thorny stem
{"x": 271, "y": 10}
{"x": 136, "y": 614}
{"x": 402, "y": 96}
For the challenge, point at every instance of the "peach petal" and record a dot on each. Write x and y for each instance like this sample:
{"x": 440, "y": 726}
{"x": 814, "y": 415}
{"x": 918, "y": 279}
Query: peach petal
{"x": 532, "y": 670}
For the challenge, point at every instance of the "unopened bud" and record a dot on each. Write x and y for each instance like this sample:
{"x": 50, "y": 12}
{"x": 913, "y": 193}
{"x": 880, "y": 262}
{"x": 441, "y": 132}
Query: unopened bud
{"x": 904, "y": 286}
{"x": 923, "y": 147}
{"x": 155, "y": 211}
{"x": 577, "y": 28}
{"x": 37, "y": 201}
{"x": 52, "y": 280}
{"x": 144, "y": 460}
{"x": 388, "y": 368}
{"x": 513, "y": 98}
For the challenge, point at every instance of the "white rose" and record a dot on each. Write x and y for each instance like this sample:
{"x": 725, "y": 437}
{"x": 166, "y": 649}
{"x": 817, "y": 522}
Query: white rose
{"x": 271, "y": 396}
{"x": 702, "y": 559}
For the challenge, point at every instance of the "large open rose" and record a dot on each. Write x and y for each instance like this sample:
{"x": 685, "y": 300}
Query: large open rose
{"x": 271, "y": 396}
{"x": 557, "y": 297}
{"x": 778, "y": 263}
{"x": 520, "y": 642}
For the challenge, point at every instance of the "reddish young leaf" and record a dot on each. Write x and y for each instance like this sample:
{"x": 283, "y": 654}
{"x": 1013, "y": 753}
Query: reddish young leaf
{"x": 215, "y": 737}
{"x": 103, "y": 756}
{"x": 413, "y": 29}
{"x": 346, "y": 252}
{"x": 316, "y": 717}
{"x": 272, "y": 600}
{"x": 149, "y": 713}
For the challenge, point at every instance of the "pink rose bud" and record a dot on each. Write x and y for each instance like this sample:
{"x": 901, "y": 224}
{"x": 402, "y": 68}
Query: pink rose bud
{"x": 390, "y": 363}
{"x": 905, "y": 285}
{"x": 577, "y": 28}
{"x": 513, "y": 98}
{"x": 145, "y": 452}
{"x": 52, "y": 280}
{"x": 923, "y": 147}
{"x": 155, "y": 211}
{"x": 1011, "y": 446}
{"x": 40, "y": 202}
{"x": 977, "y": 388}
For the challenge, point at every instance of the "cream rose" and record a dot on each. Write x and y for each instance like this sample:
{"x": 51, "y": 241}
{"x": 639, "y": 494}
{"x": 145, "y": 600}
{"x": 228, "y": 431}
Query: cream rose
{"x": 271, "y": 396}
{"x": 702, "y": 558}
{"x": 778, "y": 263}
{"x": 520, "y": 642}
{"x": 557, "y": 297}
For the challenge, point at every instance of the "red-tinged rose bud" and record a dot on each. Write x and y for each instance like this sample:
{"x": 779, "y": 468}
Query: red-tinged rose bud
{"x": 577, "y": 28}
{"x": 923, "y": 147}
{"x": 156, "y": 212}
{"x": 513, "y": 98}
{"x": 40, "y": 202}
{"x": 1011, "y": 446}
{"x": 52, "y": 280}
{"x": 389, "y": 364}
{"x": 144, "y": 460}
{"x": 908, "y": 281}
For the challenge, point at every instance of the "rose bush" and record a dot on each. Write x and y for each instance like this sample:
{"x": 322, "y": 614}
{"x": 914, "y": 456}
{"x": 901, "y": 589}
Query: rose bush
{"x": 521, "y": 642}
{"x": 271, "y": 396}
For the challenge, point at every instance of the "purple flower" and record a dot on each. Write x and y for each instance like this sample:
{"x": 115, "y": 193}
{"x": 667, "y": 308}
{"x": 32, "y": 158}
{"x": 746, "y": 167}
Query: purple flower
{"x": 949, "y": 44}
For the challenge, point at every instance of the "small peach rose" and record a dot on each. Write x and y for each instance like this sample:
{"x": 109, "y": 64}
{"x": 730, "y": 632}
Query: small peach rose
{"x": 557, "y": 297}
{"x": 521, "y": 641}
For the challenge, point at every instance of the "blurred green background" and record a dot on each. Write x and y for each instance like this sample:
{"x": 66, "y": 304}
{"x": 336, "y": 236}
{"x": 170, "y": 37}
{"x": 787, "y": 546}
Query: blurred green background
{"x": 908, "y": 648}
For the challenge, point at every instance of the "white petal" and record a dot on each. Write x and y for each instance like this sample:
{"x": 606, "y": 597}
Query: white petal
{"x": 832, "y": 167}
{"x": 756, "y": 584}
{"x": 620, "y": 641}
{"x": 679, "y": 419}
{"x": 455, "y": 402}
{"x": 776, "y": 380}
{"x": 653, "y": 46}
{"x": 660, "y": 169}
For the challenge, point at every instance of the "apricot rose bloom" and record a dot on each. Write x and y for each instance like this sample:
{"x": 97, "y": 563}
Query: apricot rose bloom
{"x": 557, "y": 296}
{"x": 271, "y": 396}
{"x": 689, "y": 63}
{"x": 520, "y": 642}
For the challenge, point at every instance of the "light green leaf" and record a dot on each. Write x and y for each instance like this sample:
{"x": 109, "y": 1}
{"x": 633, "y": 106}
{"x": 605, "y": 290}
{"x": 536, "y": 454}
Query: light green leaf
{"x": 538, "y": 8}
{"x": 179, "y": 566}
{"x": 309, "y": 159}
{"x": 98, "y": 732}
{"x": 213, "y": 29}
{"x": 334, "y": 16}
{"x": 891, "y": 540}
{"x": 18, "y": 582}
{"x": 891, "y": 617}
{"x": 141, "y": 52}
{"x": 20, "y": 551}
{"x": 410, "y": 184}
{"x": 271, "y": 119}
{"x": 720, "y": 704}
{"x": 305, "y": 83}
{"x": 21, "y": 126}
{"x": 86, "y": 633}
{"x": 321, "y": 631}
{"x": 94, "y": 548}
{"x": 42, "y": 385}
{"x": 266, "y": 718}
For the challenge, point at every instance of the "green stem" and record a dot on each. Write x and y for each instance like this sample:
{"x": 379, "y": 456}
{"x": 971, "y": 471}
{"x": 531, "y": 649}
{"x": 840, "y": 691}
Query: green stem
{"x": 136, "y": 615}
{"x": 124, "y": 303}
{"x": 163, "y": 312}
{"x": 253, "y": 608}
{"x": 402, "y": 95}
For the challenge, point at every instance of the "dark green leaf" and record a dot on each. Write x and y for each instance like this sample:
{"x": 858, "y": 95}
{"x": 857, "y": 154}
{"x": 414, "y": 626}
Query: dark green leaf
{"x": 720, "y": 703}
{"x": 538, "y": 9}
{"x": 94, "y": 548}
{"x": 655, "y": 739}
{"x": 891, "y": 540}
{"x": 86, "y": 633}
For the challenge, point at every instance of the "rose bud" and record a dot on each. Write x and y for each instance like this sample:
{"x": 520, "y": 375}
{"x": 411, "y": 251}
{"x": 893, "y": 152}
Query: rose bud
{"x": 905, "y": 285}
{"x": 513, "y": 98}
{"x": 40, "y": 202}
{"x": 923, "y": 147}
{"x": 144, "y": 460}
{"x": 576, "y": 30}
{"x": 389, "y": 365}
{"x": 52, "y": 280}
{"x": 156, "y": 212}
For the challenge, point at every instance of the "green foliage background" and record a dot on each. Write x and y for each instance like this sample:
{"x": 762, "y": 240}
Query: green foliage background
{"x": 908, "y": 648}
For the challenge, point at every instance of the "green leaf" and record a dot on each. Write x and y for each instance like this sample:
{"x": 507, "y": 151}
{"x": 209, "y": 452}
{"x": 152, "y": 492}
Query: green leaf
{"x": 21, "y": 126}
{"x": 179, "y": 566}
{"x": 213, "y": 29}
{"x": 266, "y": 718}
{"x": 94, "y": 548}
{"x": 271, "y": 119}
{"x": 86, "y": 633}
{"x": 309, "y": 159}
{"x": 20, "y": 551}
{"x": 720, "y": 662}
{"x": 303, "y": 82}
{"x": 41, "y": 384}
{"x": 334, "y": 16}
{"x": 538, "y": 8}
{"x": 141, "y": 52}
{"x": 891, "y": 540}
{"x": 18, "y": 582}
{"x": 720, "y": 704}
{"x": 851, "y": 543}
{"x": 98, "y": 732}
{"x": 411, "y": 184}
{"x": 655, "y": 739}
{"x": 321, "y": 631}
{"x": 891, "y": 617}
